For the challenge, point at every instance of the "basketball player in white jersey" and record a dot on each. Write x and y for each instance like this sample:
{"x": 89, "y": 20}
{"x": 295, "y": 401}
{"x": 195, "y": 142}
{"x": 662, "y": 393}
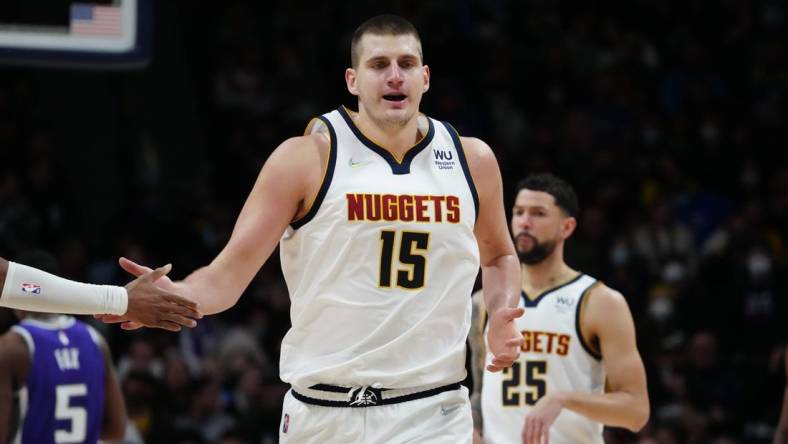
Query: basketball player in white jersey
{"x": 579, "y": 368}
{"x": 383, "y": 217}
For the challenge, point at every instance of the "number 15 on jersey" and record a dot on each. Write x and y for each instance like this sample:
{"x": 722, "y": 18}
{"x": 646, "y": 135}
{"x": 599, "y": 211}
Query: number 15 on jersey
{"x": 410, "y": 269}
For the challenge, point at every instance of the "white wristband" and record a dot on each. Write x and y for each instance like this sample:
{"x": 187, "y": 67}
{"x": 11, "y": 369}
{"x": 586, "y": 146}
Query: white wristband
{"x": 28, "y": 288}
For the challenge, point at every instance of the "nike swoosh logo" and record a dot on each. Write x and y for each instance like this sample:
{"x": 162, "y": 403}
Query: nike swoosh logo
{"x": 445, "y": 411}
{"x": 358, "y": 164}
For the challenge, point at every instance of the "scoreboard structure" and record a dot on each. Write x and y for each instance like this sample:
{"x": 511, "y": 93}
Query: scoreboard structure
{"x": 105, "y": 34}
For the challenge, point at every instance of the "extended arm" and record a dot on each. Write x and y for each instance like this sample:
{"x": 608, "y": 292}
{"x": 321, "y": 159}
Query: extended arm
{"x": 277, "y": 198}
{"x": 28, "y": 288}
{"x": 283, "y": 192}
{"x": 625, "y": 403}
{"x": 500, "y": 266}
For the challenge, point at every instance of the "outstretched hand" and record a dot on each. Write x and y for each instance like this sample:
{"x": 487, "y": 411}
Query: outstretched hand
{"x": 503, "y": 338}
{"x": 163, "y": 281}
{"x": 536, "y": 428}
{"x": 153, "y": 301}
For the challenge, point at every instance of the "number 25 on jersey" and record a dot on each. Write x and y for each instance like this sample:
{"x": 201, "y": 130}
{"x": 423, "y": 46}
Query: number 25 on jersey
{"x": 531, "y": 376}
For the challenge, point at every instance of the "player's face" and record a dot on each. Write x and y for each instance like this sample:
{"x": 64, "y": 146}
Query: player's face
{"x": 389, "y": 79}
{"x": 538, "y": 225}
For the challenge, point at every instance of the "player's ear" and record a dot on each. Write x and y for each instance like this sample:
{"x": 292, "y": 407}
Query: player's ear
{"x": 426, "y": 78}
{"x": 350, "y": 80}
{"x": 568, "y": 227}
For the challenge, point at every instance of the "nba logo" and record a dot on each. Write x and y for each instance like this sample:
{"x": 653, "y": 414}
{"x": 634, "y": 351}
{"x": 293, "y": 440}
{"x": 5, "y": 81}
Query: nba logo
{"x": 286, "y": 423}
{"x": 31, "y": 288}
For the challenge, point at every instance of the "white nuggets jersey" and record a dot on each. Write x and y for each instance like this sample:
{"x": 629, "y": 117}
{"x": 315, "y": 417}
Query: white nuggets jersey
{"x": 381, "y": 268}
{"x": 554, "y": 356}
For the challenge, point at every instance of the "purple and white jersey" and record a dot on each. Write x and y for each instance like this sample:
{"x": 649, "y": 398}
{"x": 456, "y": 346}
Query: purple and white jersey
{"x": 63, "y": 398}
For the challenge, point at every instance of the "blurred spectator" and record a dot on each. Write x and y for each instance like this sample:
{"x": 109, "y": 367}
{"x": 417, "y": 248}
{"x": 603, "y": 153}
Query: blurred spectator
{"x": 205, "y": 413}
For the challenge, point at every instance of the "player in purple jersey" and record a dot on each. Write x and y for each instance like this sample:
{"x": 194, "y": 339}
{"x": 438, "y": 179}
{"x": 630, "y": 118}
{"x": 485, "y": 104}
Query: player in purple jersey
{"x": 57, "y": 383}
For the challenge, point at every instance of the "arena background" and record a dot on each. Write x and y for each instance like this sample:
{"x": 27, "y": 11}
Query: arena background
{"x": 669, "y": 117}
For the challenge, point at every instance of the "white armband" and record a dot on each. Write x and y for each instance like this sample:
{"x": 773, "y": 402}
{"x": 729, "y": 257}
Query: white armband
{"x": 30, "y": 289}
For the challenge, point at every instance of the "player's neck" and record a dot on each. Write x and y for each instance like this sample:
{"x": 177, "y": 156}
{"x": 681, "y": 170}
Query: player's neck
{"x": 397, "y": 139}
{"x": 547, "y": 274}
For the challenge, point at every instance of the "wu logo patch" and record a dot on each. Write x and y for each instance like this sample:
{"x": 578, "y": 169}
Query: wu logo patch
{"x": 444, "y": 159}
{"x": 564, "y": 303}
{"x": 443, "y": 155}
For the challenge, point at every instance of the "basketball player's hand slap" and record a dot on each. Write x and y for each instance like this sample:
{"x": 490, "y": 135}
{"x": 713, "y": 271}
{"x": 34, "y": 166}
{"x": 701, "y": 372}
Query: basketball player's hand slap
{"x": 504, "y": 338}
{"x": 536, "y": 429}
{"x": 153, "y": 301}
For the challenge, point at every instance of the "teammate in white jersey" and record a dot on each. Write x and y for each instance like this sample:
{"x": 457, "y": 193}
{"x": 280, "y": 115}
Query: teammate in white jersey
{"x": 383, "y": 217}
{"x": 579, "y": 368}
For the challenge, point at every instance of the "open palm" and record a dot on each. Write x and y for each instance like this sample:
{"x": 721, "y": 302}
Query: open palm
{"x": 136, "y": 270}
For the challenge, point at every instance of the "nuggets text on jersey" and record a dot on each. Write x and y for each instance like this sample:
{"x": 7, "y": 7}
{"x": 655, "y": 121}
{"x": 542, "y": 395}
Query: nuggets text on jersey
{"x": 403, "y": 207}
{"x": 546, "y": 342}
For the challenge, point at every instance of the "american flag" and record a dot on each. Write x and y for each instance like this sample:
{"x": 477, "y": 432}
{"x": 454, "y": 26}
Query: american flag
{"x": 95, "y": 20}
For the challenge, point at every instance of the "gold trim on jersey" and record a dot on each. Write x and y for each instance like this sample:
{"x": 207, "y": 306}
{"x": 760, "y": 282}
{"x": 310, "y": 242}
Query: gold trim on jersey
{"x": 532, "y": 301}
{"x": 588, "y": 342}
{"x": 317, "y": 126}
{"x": 422, "y": 134}
{"x": 310, "y": 126}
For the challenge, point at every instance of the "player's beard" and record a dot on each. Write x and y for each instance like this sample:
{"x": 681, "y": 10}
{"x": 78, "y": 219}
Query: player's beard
{"x": 538, "y": 252}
